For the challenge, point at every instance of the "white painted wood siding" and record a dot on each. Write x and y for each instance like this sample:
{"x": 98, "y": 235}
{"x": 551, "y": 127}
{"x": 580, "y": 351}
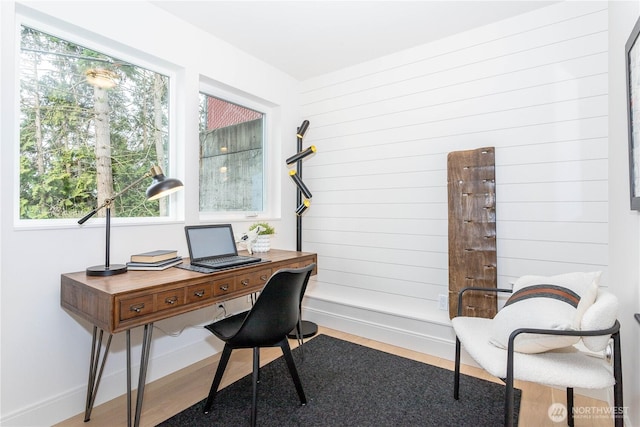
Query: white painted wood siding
{"x": 534, "y": 87}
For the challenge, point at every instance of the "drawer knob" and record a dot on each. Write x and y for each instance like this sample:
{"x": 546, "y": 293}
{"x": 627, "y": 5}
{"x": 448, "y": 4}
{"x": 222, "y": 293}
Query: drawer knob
{"x": 224, "y": 287}
{"x": 171, "y": 300}
{"x": 264, "y": 277}
{"x": 137, "y": 307}
{"x": 199, "y": 293}
{"x": 245, "y": 282}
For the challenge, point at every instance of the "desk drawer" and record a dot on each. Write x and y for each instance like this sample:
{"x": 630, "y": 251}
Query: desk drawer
{"x": 255, "y": 279}
{"x": 301, "y": 264}
{"x": 224, "y": 286}
{"x": 170, "y": 299}
{"x": 135, "y": 307}
{"x": 199, "y": 292}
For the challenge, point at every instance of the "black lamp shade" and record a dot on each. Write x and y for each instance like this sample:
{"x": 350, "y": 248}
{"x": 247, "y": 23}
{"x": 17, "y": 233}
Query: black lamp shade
{"x": 303, "y": 188}
{"x": 162, "y": 188}
{"x": 301, "y": 155}
{"x": 303, "y": 207}
{"x": 161, "y": 185}
{"x": 303, "y": 129}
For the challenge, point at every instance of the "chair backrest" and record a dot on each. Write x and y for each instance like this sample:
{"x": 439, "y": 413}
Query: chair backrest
{"x": 601, "y": 315}
{"x": 276, "y": 311}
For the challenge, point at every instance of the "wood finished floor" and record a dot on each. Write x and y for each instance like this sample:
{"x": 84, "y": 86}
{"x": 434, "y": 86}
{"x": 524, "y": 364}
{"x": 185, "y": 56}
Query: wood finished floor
{"x": 176, "y": 392}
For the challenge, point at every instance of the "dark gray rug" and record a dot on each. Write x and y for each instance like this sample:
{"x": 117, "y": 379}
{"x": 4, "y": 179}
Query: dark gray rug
{"x": 348, "y": 384}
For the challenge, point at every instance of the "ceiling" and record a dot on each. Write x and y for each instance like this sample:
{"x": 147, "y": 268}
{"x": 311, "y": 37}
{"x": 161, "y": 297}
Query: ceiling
{"x": 307, "y": 38}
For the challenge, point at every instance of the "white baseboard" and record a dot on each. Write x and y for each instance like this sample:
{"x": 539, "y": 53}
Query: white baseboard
{"x": 431, "y": 338}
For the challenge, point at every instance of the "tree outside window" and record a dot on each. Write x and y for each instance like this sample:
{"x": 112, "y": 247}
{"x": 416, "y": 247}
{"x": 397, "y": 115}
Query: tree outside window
{"x": 90, "y": 124}
{"x": 231, "y": 157}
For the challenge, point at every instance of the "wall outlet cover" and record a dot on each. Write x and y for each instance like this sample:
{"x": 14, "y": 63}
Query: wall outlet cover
{"x": 442, "y": 302}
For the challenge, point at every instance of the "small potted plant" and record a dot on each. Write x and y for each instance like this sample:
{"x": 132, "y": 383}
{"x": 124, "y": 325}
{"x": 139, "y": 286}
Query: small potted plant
{"x": 263, "y": 242}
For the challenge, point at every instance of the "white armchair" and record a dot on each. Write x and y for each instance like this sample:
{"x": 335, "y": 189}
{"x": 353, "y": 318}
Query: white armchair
{"x": 563, "y": 367}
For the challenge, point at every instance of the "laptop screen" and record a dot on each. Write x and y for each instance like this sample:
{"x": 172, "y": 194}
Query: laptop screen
{"x": 206, "y": 241}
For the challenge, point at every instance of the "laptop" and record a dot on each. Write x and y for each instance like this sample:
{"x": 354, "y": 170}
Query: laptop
{"x": 213, "y": 246}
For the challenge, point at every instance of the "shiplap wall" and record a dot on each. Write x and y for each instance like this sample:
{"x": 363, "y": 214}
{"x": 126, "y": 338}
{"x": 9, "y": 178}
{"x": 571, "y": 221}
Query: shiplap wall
{"x": 533, "y": 86}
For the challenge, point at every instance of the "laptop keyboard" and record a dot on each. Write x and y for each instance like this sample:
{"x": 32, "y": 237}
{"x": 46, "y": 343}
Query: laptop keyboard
{"x": 224, "y": 261}
{"x": 221, "y": 260}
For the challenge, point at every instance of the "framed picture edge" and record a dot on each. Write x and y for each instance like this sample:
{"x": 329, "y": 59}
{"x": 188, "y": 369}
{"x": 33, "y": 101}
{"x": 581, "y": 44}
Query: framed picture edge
{"x": 631, "y": 41}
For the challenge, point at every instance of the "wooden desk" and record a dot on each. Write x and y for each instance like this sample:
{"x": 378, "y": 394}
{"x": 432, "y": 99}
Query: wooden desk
{"x": 139, "y": 298}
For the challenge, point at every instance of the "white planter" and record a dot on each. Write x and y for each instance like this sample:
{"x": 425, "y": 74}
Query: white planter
{"x": 262, "y": 244}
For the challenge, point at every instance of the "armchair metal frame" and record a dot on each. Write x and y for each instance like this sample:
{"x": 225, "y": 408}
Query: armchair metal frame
{"x": 614, "y": 331}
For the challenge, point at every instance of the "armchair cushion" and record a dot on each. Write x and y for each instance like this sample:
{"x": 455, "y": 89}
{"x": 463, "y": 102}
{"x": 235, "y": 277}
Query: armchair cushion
{"x": 563, "y": 367}
{"x": 556, "y": 302}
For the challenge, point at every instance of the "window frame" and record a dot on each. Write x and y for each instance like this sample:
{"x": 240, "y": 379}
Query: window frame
{"x": 114, "y": 49}
{"x": 269, "y": 196}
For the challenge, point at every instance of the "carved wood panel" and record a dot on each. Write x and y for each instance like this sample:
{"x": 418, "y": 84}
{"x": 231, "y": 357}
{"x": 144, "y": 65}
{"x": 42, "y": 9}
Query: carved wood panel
{"x": 472, "y": 230}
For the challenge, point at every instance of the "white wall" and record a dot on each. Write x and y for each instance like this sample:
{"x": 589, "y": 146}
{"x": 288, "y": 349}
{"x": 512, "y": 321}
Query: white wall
{"x": 534, "y": 87}
{"x": 624, "y": 250}
{"x": 45, "y": 350}
{"x": 547, "y": 90}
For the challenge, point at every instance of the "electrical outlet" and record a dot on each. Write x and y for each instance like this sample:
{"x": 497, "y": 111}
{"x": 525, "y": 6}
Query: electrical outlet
{"x": 442, "y": 302}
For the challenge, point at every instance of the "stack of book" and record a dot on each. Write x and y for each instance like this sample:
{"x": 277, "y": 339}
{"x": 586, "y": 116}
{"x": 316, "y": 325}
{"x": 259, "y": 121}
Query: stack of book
{"x": 154, "y": 260}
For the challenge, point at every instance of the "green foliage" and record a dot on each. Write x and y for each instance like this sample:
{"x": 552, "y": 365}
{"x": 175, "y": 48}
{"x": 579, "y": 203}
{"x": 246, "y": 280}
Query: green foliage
{"x": 268, "y": 229}
{"x": 58, "y": 170}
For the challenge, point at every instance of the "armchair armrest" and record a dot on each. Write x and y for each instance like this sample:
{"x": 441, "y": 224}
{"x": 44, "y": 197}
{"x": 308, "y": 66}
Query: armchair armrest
{"x": 614, "y": 331}
{"x": 573, "y": 333}
{"x": 476, "y": 288}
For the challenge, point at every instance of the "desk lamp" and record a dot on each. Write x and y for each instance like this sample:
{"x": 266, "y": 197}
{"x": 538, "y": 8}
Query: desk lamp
{"x": 160, "y": 187}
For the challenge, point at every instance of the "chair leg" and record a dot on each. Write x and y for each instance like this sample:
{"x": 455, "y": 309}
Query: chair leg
{"x": 288, "y": 357}
{"x": 618, "y": 404}
{"x": 570, "y": 420}
{"x": 256, "y": 379}
{"x": 222, "y": 364}
{"x": 508, "y": 408}
{"x": 299, "y": 334}
{"x": 456, "y": 375}
{"x": 508, "y": 394}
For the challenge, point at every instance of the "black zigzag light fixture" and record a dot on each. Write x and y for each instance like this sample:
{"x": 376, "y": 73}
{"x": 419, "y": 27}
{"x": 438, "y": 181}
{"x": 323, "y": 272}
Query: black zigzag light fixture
{"x": 303, "y": 202}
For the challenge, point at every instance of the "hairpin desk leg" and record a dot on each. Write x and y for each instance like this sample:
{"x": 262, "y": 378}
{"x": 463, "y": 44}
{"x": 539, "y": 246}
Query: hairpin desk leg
{"x": 144, "y": 362}
{"x": 95, "y": 375}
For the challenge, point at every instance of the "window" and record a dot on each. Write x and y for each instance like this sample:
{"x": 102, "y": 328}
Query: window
{"x": 90, "y": 124}
{"x": 231, "y": 157}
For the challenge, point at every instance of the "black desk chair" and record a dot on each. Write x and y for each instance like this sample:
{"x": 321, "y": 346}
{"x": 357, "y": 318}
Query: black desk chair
{"x": 275, "y": 314}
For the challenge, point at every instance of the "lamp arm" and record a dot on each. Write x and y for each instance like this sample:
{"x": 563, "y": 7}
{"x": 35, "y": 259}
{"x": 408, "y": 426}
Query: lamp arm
{"x": 128, "y": 187}
{"x": 111, "y": 199}
{"x": 90, "y": 214}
